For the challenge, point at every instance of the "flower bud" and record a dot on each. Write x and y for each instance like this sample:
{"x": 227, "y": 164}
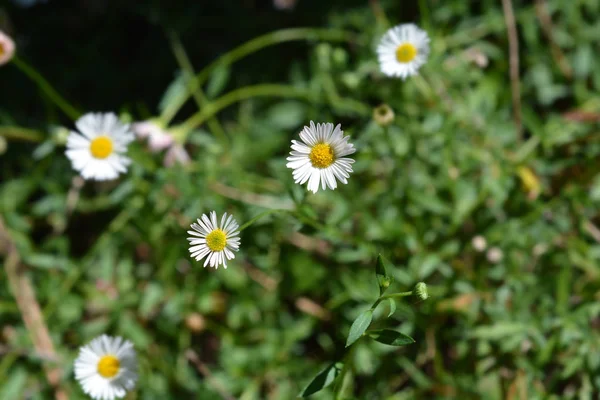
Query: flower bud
{"x": 479, "y": 243}
{"x": 195, "y": 322}
{"x": 495, "y": 255}
{"x": 420, "y": 291}
{"x": 7, "y": 48}
{"x": 383, "y": 115}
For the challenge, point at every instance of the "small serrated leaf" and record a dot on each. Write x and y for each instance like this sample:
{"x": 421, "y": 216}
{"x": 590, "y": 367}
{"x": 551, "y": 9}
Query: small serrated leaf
{"x": 392, "y": 307}
{"x": 323, "y": 379}
{"x": 383, "y": 279}
{"x": 390, "y": 337}
{"x": 359, "y": 326}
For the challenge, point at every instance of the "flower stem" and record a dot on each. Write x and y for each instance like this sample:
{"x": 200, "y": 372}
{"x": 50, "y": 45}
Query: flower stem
{"x": 45, "y": 87}
{"x": 19, "y": 133}
{"x": 390, "y": 296}
{"x": 259, "y": 216}
{"x": 263, "y": 90}
{"x": 269, "y": 39}
{"x": 201, "y": 100}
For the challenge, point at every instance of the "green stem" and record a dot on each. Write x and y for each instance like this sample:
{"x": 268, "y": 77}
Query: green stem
{"x": 235, "y": 96}
{"x": 18, "y": 133}
{"x": 390, "y": 296}
{"x": 269, "y": 39}
{"x": 259, "y": 216}
{"x": 425, "y": 15}
{"x": 339, "y": 386}
{"x": 45, "y": 87}
{"x": 263, "y": 90}
{"x": 201, "y": 100}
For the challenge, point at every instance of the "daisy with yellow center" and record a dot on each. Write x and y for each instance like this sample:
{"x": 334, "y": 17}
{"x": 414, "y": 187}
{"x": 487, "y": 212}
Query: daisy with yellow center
{"x": 7, "y": 48}
{"x": 213, "y": 240}
{"x": 99, "y": 151}
{"x": 403, "y": 50}
{"x": 106, "y": 368}
{"x": 320, "y": 157}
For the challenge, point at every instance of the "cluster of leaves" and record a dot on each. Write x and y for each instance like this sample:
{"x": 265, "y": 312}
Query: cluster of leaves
{"x": 359, "y": 328}
{"x": 451, "y": 167}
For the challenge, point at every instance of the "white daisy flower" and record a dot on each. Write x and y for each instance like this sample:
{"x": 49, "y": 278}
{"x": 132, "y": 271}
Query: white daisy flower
{"x": 403, "y": 50}
{"x": 320, "y": 158}
{"x": 106, "y": 368}
{"x": 7, "y": 48}
{"x": 216, "y": 242}
{"x": 98, "y": 152}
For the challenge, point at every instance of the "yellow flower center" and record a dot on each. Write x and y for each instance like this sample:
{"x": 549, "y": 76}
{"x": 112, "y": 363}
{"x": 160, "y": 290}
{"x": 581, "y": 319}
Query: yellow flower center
{"x": 406, "y": 53}
{"x": 321, "y": 155}
{"x": 2, "y": 51}
{"x": 101, "y": 147}
{"x": 216, "y": 240}
{"x": 108, "y": 366}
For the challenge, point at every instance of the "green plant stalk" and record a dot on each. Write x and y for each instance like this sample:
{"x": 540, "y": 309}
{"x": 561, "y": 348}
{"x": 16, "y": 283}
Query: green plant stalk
{"x": 235, "y": 96}
{"x": 46, "y": 88}
{"x": 425, "y": 15}
{"x": 269, "y": 39}
{"x": 339, "y": 386}
{"x": 259, "y": 216}
{"x": 264, "y": 90}
{"x": 390, "y": 296}
{"x": 19, "y": 133}
{"x": 201, "y": 100}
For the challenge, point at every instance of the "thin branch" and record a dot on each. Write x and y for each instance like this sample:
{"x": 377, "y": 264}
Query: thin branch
{"x": 515, "y": 83}
{"x": 30, "y": 310}
{"x": 186, "y": 65}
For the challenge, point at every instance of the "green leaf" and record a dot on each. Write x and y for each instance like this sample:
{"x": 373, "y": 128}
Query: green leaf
{"x": 323, "y": 379}
{"x": 383, "y": 279}
{"x": 15, "y": 385}
{"x": 217, "y": 81}
{"x": 391, "y": 337}
{"x": 175, "y": 91}
{"x": 359, "y": 326}
{"x": 392, "y": 307}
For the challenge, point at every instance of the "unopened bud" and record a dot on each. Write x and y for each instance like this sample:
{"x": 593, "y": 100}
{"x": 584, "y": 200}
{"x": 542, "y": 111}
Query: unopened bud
{"x": 195, "y": 322}
{"x": 420, "y": 291}
{"x": 495, "y": 255}
{"x": 383, "y": 115}
{"x": 479, "y": 243}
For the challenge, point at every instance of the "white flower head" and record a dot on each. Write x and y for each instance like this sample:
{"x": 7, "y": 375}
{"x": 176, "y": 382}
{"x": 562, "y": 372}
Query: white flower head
{"x": 320, "y": 157}
{"x": 106, "y": 368}
{"x": 213, "y": 240}
{"x": 98, "y": 152}
{"x": 7, "y": 48}
{"x": 403, "y": 50}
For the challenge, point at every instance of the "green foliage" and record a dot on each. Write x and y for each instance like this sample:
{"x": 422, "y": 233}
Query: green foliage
{"x": 518, "y": 318}
{"x": 359, "y": 326}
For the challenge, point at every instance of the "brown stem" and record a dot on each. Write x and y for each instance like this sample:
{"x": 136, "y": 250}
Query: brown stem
{"x": 24, "y": 293}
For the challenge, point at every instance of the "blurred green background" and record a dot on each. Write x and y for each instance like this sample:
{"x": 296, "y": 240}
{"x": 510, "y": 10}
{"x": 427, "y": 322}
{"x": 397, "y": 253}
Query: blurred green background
{"x": 502, "y": 225}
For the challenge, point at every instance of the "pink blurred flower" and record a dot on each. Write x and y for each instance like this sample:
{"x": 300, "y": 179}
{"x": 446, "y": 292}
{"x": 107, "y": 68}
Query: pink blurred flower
{"x": 176, "y": 154}
{"x": 7, "y": 48}
{"x": 160, "y": 139}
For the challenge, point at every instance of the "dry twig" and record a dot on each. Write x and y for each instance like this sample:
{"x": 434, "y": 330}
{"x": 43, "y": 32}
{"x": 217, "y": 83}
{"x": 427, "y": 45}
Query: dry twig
{"x": 30, "y": 310}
